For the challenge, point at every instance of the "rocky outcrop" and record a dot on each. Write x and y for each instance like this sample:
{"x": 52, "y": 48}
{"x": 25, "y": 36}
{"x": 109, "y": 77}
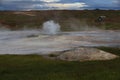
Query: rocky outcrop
{"x": 83, "y": 54}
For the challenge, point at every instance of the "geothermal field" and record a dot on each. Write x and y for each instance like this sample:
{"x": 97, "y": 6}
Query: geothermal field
{"x": 51, "y": 39}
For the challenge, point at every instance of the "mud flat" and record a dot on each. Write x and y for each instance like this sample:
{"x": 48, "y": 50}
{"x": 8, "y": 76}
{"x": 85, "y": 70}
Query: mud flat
{"x": 21, "y": 42}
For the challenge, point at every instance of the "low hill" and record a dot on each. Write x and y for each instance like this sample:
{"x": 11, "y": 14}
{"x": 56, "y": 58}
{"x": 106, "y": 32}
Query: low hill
{"x": 68, "y": 19}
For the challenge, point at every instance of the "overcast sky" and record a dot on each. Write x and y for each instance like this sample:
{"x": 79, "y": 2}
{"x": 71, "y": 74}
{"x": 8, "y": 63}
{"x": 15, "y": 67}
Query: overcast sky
{"x": 58, "y": 4}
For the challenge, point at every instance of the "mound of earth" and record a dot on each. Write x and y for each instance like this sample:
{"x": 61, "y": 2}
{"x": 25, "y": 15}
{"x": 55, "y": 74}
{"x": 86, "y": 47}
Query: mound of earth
{"x": 83, "y": 54}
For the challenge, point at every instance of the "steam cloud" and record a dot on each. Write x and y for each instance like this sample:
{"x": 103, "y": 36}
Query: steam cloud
{"x": 50, "y": 27}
